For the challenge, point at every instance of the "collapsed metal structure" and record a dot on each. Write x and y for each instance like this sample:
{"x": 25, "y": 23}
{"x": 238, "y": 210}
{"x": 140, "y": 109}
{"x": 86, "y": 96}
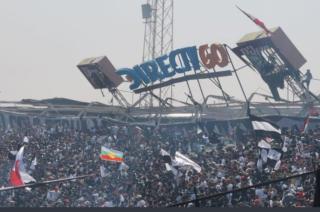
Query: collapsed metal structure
{"x": 271, "y": 54}
{"x": 255, "y": 50}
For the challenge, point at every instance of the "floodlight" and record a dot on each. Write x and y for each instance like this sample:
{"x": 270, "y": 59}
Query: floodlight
{"x": 146, "y": 11}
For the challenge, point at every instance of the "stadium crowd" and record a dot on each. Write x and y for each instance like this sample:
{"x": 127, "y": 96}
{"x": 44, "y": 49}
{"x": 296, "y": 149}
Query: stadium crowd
{"x": 228, "y": 161}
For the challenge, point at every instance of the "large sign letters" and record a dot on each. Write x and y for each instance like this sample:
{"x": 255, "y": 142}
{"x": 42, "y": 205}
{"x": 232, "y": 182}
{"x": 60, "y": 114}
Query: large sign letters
{"x": 178, "y": 61}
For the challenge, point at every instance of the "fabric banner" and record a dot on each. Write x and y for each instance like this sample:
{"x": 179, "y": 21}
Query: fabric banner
{"x": 264, "y": 145}
{"x": 182, "y": 160}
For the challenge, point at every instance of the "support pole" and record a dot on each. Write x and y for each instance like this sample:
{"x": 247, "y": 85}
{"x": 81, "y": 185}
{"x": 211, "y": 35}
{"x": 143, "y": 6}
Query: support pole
{"x": 316, "y": 202}
{"x": 235, "y": 71}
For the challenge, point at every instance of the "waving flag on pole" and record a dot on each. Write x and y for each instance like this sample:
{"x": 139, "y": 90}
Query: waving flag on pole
{"x": 270, "y": 143}
{"x": 18, "y": 176}
{"x": 256, "y": 21}
{"x": 264, "y": 128}
{"x": 34, "y": 163}
{"x": 166, "y": 156}
{"x": 111, "y": 155}
{"x": 103, "y": 171}
{"x": 15, "y": 177}
{"x": 182, "y": 160}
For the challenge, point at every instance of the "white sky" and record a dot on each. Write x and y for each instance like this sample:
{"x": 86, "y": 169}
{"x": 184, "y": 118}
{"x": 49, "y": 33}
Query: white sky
{"x": 42, "y": 41}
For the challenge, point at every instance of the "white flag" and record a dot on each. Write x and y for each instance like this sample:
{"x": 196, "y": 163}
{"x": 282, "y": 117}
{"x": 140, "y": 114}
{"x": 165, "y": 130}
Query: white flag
{"x": 103, "y": 171}
{"x": 28, "y": 189}
{"x": 26, "y": 139}
{"x": 123, "y": 166}
{"x": 121, "y": 198}
{"x": 182, "y": 160}
{"x": 199, "y": 131}
{"x": 284, "y": 149}
{"x": 19, "y": 157}
{"x": 259, "y": 165}
{"x": 164, "y": 153}
{"x": 53, "y": 195}
{"x": 264, "y": 145}
{"x": 277, "y": 166}
{"x": 33, "y": 164}
{"x": 264, "y": 156}
{"x": 26, "y": 178}
{"x": 170, "y": 168}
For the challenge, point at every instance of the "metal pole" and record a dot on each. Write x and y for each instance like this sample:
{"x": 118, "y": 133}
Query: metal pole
{"x": 162, "y": 42}
{"x": 155, "y": 8}
{"x": 316, "y": 202}
{"x": 186, "y": 80}
{"x": 235, "y": 71}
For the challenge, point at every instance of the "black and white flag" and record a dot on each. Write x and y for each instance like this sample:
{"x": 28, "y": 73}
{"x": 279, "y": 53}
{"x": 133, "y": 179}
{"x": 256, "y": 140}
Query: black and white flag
{"x": 270, "y": 141}
{"x": 172, "y": 169}
{"x": 165, "y": 156}
{"x": 262, "y": 126}
{"x": 268, "y": 133}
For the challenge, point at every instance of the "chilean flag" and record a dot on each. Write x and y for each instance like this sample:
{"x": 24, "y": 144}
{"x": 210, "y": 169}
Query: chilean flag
{"x": 256, "y": 21}
{"x": 15, "y": 177}
{"x": 18, "y": 177}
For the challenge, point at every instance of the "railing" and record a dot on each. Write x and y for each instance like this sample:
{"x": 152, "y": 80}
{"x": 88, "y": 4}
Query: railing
{"x": 245, "y": 197}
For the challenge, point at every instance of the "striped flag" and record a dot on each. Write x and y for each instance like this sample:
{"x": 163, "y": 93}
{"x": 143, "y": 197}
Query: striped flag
{"x": 18, "y": 177}
{"x": 264, "y": 127}
{"x": 270, "y": 143}
{"x": 165, "y": 156}
{"x": 15, "y": 177}
{"x": 255, "y": 20}
{"x": 111, "y": 155}
{"x": 268, "y": 133}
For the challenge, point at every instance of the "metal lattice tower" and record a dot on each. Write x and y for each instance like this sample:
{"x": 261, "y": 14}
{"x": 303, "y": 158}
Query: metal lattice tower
{"x": 158, "y": 35}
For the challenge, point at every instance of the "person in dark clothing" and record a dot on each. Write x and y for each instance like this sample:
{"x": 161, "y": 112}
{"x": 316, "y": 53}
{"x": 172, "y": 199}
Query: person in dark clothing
{"x": 307, "y": 78}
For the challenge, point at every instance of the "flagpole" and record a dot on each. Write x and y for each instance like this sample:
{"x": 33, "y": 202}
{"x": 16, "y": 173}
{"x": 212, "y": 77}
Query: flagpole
{"x": 256, "y": 21}
{"x": 316, "y": 201}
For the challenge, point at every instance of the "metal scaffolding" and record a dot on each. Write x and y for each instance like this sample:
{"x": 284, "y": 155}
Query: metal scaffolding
{"x": 158, "y": 35}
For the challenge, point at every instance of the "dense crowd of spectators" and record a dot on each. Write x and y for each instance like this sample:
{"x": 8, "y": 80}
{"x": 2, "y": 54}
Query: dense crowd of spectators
{"x": 228, "y": 162}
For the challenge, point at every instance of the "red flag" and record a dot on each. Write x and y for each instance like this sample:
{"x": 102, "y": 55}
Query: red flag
{"x": 256, "y": 21}
{"x": 15, "y": 177}
{"x": 18, "y": 177}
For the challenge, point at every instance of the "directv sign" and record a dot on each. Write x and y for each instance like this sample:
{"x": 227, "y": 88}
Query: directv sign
{"x": 178, "y": 61}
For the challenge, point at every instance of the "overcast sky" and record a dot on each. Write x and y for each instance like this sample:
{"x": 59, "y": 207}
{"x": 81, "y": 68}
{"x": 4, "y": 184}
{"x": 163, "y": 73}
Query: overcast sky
{"x": 42, "y": 41}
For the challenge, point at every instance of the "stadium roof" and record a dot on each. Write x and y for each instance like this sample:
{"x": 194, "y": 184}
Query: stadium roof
{"x": 59, "y": 101}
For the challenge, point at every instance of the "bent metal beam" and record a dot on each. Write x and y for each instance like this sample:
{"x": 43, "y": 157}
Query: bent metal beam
{"x": 185, "y": 78}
